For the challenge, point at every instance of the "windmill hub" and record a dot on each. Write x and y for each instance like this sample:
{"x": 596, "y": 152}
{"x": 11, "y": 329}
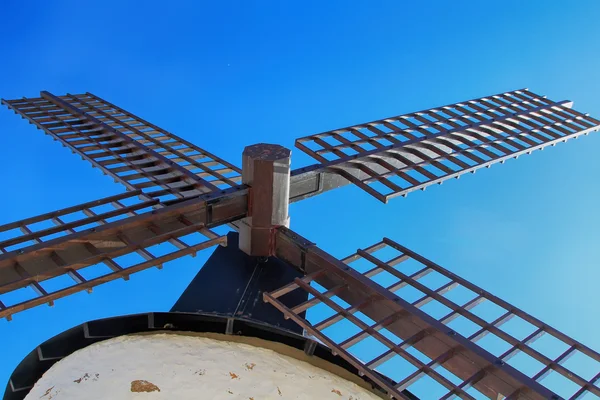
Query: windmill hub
{"x": 266, "y": 170}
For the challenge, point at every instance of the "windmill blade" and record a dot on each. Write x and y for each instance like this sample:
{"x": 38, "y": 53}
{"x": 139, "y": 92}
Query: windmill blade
{"x": 397, "y": 155}
{"x": 134, "y": 152}
{"x": 399, "y": 309}
{"x": 100, "y": 241}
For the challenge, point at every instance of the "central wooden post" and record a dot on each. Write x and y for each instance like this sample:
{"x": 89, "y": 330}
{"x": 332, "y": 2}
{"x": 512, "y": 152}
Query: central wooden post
{"x": 266, "y": 169}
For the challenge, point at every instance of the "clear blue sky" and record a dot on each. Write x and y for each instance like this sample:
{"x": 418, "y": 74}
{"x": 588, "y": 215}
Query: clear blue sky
{"x": 227, "y": 74}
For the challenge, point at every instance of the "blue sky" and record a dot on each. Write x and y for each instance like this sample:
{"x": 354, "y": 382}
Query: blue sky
{"x": 228, "y": 74}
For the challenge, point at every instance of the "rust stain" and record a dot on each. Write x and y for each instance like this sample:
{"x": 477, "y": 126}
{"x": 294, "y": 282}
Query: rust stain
{"x": 233, "y": 376}
{"x": 87, "y": 376}
{"x": 336, "y": 392}
{"x": 250, "y": 366}
{"x": 47, "y": 392}
{"x": 143, "y": 386}
{"x": 84, "y": 377}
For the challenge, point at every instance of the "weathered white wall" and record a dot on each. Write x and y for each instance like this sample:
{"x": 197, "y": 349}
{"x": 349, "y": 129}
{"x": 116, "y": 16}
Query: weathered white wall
{"x": 188, "y": 367}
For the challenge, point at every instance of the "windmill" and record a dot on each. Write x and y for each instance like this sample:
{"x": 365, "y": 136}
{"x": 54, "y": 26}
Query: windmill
{"x": 177, "y": 193}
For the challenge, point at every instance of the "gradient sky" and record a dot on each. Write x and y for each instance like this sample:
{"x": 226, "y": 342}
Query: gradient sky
{"x": 228, "y": 74}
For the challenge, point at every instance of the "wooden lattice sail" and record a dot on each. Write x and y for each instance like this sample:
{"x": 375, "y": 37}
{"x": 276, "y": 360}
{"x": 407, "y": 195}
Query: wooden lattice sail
{"x": 364, "y": 312}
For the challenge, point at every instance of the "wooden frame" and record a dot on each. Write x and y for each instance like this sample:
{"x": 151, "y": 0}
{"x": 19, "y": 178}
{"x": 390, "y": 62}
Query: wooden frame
{"x": 395, "y": 156}
{"x": 119, "y": 143}
{"x": 402, "y": 325}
